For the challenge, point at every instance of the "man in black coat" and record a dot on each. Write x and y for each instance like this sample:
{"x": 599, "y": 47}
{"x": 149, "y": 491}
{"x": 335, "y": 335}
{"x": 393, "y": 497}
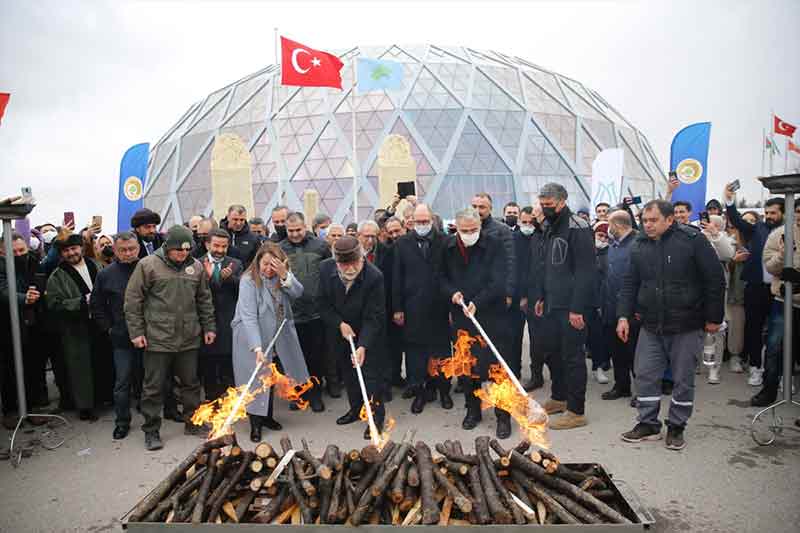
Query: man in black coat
{"x": 353, "y": 306}
{"x": 562, "y": 295}
{"x": 245, "y": 242}
{"x": 419, "y": 308}
{"x": 145, "y": 224}
{"x": 107, "y": 303}
{"x": 473, "y": 273}
{"x": 676, "y": 283}
{"x": 215, "y": 360}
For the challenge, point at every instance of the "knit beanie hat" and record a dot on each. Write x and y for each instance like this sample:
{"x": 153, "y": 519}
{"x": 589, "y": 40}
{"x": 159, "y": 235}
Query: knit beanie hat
{"x": 179, "y": 238}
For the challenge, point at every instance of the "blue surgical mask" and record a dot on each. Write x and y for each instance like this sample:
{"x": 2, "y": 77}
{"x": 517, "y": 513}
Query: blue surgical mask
{"x": 322, "y": 233}
{"x": 423, "y": 230}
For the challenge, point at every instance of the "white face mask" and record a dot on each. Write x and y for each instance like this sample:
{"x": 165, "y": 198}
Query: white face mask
{"x": 34, "y": 242}
{"x": 600, "y": 244}
{"x": 48, "y": 236}
{"x": 526, "y": 229}
{"x": 469, "y": 239}
{"x": 423, "y": 230}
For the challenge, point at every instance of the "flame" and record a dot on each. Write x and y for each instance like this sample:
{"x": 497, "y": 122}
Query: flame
{"x": 216, "y": 412}
{"x": 381, "y": 439}
{"x": 462, "y": 361}
{"x": 433, "y": 366}
{"x": 501, "y": 392}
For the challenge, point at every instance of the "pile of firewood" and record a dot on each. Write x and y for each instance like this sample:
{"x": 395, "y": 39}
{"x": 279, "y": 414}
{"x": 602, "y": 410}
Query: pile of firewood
{"x": 400, "y": 484}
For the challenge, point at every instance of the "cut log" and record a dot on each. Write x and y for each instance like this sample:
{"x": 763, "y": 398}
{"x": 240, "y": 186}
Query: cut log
{"x": 333, "y": 506}
{"x": 230, "y": 511}
{"x": 576, "y": 509}
{"x": 273, "y": 508}
{"x": 494, "y": 488}
{"x": 256, "y": 466}
{"x": 297, "y": 464}
{"x": 523, "y": 447}
{"x": 372, "y": 471}
{"x": 219, "y": 442}
{"x": 388, "y": 468}
{"x": 455, "y": 456}
{"x": 460, "y": 500}
{"x": 414, "y": 515}
{"x": 413, "y": 475}
{"x": 604, "y": 495}
{"x": 398, "y": 485}
{"x": 370, "y": 454}
{"x": 229, "y": 484}
{"x": 200, "y": 505}
{"x": 264, "y": 450}
{"x": 162, "y": 489}
{"x": 410, "y": 497}
{"x": 520, "y": 493}
{"x": 173, "y": 502}
{"x": 480, "y": 507}
{"x": 430, "y": 511}
{"x": 545, "y": 497}
{"x": 329, "y": 459}
{"x": 541, "y": 512}
{"x": 286, "y": 515}
{"x": 447, "y": 507}
{"x": 244, "y": 505}
{"x": 496, "y": 508}
{"x": 460, "y": 469}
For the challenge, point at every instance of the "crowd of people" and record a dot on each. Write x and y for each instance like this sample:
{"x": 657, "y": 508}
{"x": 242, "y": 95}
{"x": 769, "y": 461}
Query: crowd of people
{"x": 160, "y": 322}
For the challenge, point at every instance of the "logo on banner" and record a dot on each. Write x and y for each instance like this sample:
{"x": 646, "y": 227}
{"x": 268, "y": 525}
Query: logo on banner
{"x": 133, "y": 188}
{"x": 689, "y": 171}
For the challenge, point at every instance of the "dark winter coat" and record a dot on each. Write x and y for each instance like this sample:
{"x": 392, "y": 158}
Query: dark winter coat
{"x": 601, "y": 259}
{"x": 676, "y": 283}
{"x": 245, "y": 242}
{"x": 305, "y": 259}
{"x": 414, "y": 291}
{"x": 108, "y": 302}
{"x": 522, "y": 265}
{"x": 755, "y": 235}
{"x": 619, "y": 258}
{"x": 157, "y": 242}
{"x": 25, "y": 269}
{"x": 499, "y": 230}
{"x": 224, "y": 294}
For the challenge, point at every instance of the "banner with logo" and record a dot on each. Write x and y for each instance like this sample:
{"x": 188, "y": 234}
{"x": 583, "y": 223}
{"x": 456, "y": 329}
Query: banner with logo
{"x": 688, "y": 158}
{"x": 132, "y": 173}
{"x": 607, "y": 176}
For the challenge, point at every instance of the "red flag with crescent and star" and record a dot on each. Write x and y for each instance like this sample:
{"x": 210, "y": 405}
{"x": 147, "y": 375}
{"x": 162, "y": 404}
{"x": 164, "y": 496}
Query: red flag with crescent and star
{"x": 4, "y": 97}
{"x": 302, "y": 66}
{"x": 783, "y": 128}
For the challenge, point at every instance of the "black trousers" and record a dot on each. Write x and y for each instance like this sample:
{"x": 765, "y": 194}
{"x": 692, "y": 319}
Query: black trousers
{"x": 373, "y": 376}
{"x": 563, "y": 347}
{"x": 312, "y": 342}
{"x": 517, "y": 323}
{"x": 757, "y": 299}
{"x": 417, "y": 358}
{"x": 395, "y": 346}
{"x": 622, "y": 353}
{"x": 216, "y": 374}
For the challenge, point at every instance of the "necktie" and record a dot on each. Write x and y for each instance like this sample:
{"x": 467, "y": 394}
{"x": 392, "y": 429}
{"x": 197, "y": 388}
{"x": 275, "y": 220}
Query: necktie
{"x": 149, "y": 247}
{"x": 215, "y": 273}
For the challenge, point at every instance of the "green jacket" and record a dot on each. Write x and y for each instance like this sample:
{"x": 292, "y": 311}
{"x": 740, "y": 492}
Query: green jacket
{"x": 304, "y": 259}
{"x": 169, "y": 304}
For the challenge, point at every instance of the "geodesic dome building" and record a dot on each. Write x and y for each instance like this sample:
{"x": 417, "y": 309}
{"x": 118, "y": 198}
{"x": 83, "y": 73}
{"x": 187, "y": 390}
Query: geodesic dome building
{"x": 475, "y": 121}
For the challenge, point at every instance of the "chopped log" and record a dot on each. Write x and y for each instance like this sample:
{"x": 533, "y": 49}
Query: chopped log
{"x": 329, "y": 459}
{"x": 576, "y": 509}
{"x": 162, "y": 489}
{"x": 244, "y": 505}
{"x": 461, "y": 469}
{"x": 447, "y": 507}
{"x": 191, "y": 484}
{"x": 541, "y": 512}
{"x": 413, "y": 475}
{"x": 321, "y": 470}
{"x": 357, "y": 468}
{"x": 389, "y": 468}
{"x": 257, "y": 483}
{"x": 395, "y": 515}
{"x": 410, "y": 496}
{"x": 264, "y": 450}
{"x": 490, "y": 480}
{"x": 398, "y": 485}
{"x": 480, "y": 506}
{"x": 520, "y": 493}
{"x": 527, "y": 466}
{"x": 333, "y": 504}
{"x": 350, "y": 498}
{"x": 462, "y": 487}
{"x": 202, "y": 459}
{"x": 462, "y": 502}
{"x": 414, "y": 515}
{"x": 235, "y": 451}
{"x": 430, "y": 511}
{"x": 370, "y": 454}
{"x": 372, "y": 471}
{"x": 286, "y": 515}
{"x": 297, "y": 464}
{"x": 256, "y": 466}
{"x": 273, "y": 508}
{"x": 220, "y": 442}
{"x": 200, "y": 505}
{"x": 456, "y": 457}
{"x": 523, "y": 447}
{"x": 603, "y": 494}
{"x": 499, "y": 513}
{"x": 229, "y": 484}
{"x": 230, "y": 511}
{"x": 545, "y": 497}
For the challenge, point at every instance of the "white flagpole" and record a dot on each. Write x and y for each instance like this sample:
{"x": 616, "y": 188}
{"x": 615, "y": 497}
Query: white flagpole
{"x": 763, "y": 148}
{"x": 355, "y": 153}
{"x": 771, "y": 139}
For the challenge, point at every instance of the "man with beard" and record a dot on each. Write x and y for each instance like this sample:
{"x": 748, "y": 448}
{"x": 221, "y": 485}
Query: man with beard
{"x": 473, "y": 273}
{"x": 519, "y": 312}
{"x": 511, "y": 215}
{"x": 29, "y": 301}
{"x": 279, "y": 215}
{"x": 107, "y": 303}
{"x": 563, "y": 296}
{"x": 419, "y": 309}
{"x": 242, "y": 240}
{"x": 258, "y": 228}
{"x": 305, "y": 253}
{"x": 757, "y": 294}
{"x": 352, "y": 305}
{"x": 68, "y": 292}
{"x": 170, "y": 312}
{"x": 145, "y": 224}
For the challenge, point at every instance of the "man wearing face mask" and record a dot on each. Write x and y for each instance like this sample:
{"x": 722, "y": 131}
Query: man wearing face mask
{"x": 473, "y": 273}
{"x": 320, "y": 225}
{"x": 279, "y": 215}
{"x": 107, "y": 302}
{"x": 523, "y": 233}
{"x": 48, "y": 233}
{"x": 420, "y": 310}
{"x": 511, "y": 215}
{"x": 598, "y": 345}
{"x": 757, "y": 295}
{"x": 563, "y": 295}
{"x": 145, "y": 224}
{"x": 243, "y": 243}
{"x": 482, "y": 203}
{"x": 353, "y": 306}
{"x": 535, "y": 269}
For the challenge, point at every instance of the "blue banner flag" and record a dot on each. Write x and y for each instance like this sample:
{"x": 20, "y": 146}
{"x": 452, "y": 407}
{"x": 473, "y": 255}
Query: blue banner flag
{"x": 378, "y": 74}
{"x": 688, "y": 158}
{"x": 132, "y": 174}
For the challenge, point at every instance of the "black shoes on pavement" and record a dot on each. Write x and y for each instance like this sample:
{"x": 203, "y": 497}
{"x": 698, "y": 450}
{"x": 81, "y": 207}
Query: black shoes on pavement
{"x": 152, "y": 441}
{"x": 120, "y": 432}
{"x": 764, "y": 398}
{"x": 536, "y": 382}
{"x": 642, "y": 432}
{"x": 675, "y": 439}
{"x": 348, "y": 418}
{"x": 503, "y": 425}
{"x": 615, "y": 394}
{"x": 87, "y": 415}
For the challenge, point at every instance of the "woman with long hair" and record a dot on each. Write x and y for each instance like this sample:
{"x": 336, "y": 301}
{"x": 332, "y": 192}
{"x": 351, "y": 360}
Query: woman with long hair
{"x": 266, "y": 291}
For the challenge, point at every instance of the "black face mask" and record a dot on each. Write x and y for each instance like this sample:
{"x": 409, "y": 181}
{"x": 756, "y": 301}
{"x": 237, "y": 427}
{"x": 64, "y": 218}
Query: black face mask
{"x": 20, "y": 263}
{"x": 281, "y": 231}
{"x": 549, "y": 213}
{"x": 108, "y": 251}
{"x": 511, "y": 221}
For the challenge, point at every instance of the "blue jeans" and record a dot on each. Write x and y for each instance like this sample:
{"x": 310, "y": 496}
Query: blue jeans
{"x": 124, "y": 362}
{"x": 773, "y": 356}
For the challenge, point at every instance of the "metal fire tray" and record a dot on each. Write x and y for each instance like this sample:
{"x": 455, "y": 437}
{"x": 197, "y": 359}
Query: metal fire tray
{"x": 627, "y": 503}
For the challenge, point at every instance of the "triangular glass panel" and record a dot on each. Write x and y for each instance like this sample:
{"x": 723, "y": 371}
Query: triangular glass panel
{"x": 589, "y": 151}
{"x": 548, "y": 82}
{"x": 168, "y": 220}
{"x": 507, "y": 78}
{"x": 603, "y": 132}
{"x": 505, "y": 127}
{"x": 474, "y": 154}
{"x": 211, "y": 116}
{"x": 488, "y": 95}
{"x": 561, "y": 129}
{"x": 538, "y": 101}
{"x": 429, "y": 93}
{"x": 183, "y": 124}
{"x": 396, "y": 54}
{"x": 455, "y": 76}
{"x": 582, "y": 108}
{"x": 541, "y": 158}
{"x": 156, "y": 202}
{"x": 190, "y": 149}
{"x": 440, "y": 55}
{"x": 200, "y": 176}
{"x": 633, "y": 169}
{"x": 245, "y": 89}
{"x": 436, "y": 127}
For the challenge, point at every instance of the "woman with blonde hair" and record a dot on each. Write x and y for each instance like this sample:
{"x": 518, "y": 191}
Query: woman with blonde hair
{"x": 266, "y": 291}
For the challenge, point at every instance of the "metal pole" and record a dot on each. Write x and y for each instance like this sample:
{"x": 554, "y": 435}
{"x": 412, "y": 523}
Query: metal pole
{"x": 373, "y": 429}
{"x": 788, "y": 241}
{"x": 355, "y": 153}
{"x": 13, "y": 309}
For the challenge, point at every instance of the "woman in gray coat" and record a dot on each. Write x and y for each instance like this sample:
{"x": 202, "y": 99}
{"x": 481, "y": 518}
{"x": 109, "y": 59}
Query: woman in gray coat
{"x": 266, "y": 291}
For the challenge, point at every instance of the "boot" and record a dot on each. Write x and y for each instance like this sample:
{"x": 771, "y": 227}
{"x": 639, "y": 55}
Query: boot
{"x": 536, "y": 382}
{"x": 444, "y": 393}
{"x": 420, "y": 399}
{"x": 473, "y": 416}
{"x": 315, "y": 399}
{"x": 333, "y": 388}
{"x": 268, "y": 421}
{"x": 430, "y": 392}
{"x": 255, "y": 428}
{"x": 503, "y": 424}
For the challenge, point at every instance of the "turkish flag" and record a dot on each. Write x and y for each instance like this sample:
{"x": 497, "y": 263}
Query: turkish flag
{"x": 305, "y": 67}
{"x": 783, "y": 128}
{"x": 3, "y": 103}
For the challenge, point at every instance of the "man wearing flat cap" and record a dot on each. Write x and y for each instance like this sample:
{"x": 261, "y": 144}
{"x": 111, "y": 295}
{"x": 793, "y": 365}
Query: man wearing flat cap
{"x": 169, "y": 310}
{"x": 352, "y": 305}
{"x": 145, "y": 224}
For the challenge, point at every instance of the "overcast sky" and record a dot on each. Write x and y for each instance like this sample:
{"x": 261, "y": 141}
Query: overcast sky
{"x": 89, "y": 79}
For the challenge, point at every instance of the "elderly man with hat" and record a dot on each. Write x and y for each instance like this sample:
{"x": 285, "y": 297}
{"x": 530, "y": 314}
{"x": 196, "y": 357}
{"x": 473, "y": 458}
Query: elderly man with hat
{"x": 169, "y": 310}
{"x": 352, "y": 305}
{"x": 69, "y": 289}
{"x": 145, "y": 224}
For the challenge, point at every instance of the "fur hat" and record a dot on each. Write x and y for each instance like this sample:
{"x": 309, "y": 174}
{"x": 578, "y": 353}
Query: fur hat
{"x": 73, "y": 239}
{"x": 144, "y": 216}
{"x": 179, "y": 238}
{"x": 347, "y": 250}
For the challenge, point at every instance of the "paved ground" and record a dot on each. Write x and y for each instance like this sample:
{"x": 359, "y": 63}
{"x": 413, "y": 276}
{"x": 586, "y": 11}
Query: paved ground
{"x": 721, "y": 482}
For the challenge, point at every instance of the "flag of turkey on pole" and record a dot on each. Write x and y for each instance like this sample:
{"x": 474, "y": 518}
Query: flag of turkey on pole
{"x": 3, "y": 103}
{"x": 783, "y": 128}
{"x": 305, "y": 67}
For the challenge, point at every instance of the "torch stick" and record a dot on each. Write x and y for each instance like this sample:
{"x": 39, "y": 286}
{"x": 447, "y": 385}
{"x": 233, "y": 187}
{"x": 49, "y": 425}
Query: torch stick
{"x": 224, "y": 429}
{"x": 373, "y": 430}
{"x": 499, "y": 357}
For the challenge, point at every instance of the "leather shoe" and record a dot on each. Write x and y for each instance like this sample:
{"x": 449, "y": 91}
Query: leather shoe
{"x": 120, "y": 432}
{"x": 430, "y": 394}
{"x": 271, "y": 424}
{"x": 348, "y": 418}
{"x": 536, "y": 382}
{"x": 503, "y": 426}
{"x": 615, "y": 394}
{"x": 445, "y": 400}
{"x": 387, "y": 394}
{"x": 152, "y": 441}
{"x": 255, "y": 433}
{"x": 316, "y": 403}
{"x": 471, "y": 420}
{"x": 88, "y": 415}
{"x": 418, "y": 405}
{"x": 763, "y": 399}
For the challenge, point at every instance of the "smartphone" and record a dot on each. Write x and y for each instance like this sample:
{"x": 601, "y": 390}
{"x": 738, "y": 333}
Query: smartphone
{"x": 69, "y": 218}
{"x": 40, "y": 281}
{"x": 97, "y": 221}
{"x": 406, "y": 188}
{"x": 26, "y": 191}
{"x": 636, "y": 200}
{"x": 673, "y": 176}
{"x": 704, "y": 217}
{"x": 735, "y": 185}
